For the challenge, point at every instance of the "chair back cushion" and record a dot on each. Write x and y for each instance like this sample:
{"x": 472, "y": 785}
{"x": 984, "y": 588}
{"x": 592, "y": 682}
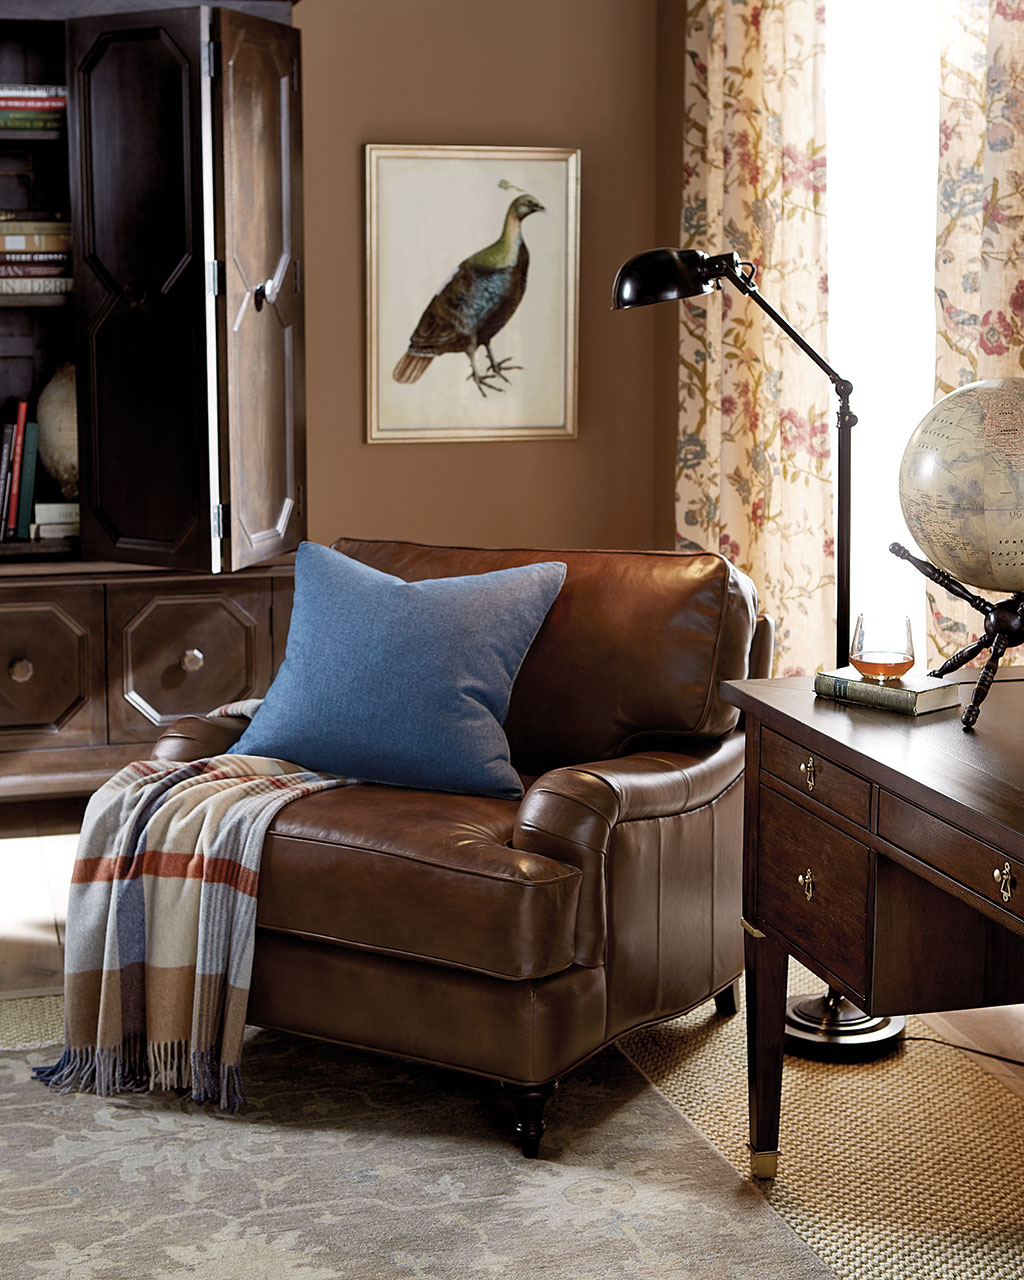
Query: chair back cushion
{"x": 630, "y": 655}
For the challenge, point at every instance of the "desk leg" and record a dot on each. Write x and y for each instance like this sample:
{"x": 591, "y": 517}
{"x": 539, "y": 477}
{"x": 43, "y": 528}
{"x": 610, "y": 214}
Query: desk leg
{"x": 767, "y": 969}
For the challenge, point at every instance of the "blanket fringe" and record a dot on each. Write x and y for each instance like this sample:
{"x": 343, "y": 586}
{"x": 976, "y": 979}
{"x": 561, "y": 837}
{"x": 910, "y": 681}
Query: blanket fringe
{"x": 135, "y": 1066}
{"x": 103, "y": 1070}
{"x": 170, "y": 1065}
{"x": 216, "y": 1081}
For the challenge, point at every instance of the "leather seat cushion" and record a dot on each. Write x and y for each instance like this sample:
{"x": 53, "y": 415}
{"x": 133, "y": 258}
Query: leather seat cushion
{"x": 418, "y": 874}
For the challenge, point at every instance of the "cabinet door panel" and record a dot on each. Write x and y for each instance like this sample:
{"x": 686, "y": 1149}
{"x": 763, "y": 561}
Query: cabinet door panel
{"x": 51, "y": 667}
{"x": 181, "y": 650}
{"x": 140, "y": 284}
{"x": 261, "y": 221}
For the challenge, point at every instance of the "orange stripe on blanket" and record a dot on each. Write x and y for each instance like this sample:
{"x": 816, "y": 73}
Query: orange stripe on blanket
{"x": 156, "y": 862}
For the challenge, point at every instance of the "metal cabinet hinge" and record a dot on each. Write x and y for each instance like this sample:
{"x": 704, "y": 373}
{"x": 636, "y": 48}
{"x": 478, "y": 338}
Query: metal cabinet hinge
{"x": 211, "y": 58}
{"x": 216, "y": 278}
{"x": 219, "y": 517}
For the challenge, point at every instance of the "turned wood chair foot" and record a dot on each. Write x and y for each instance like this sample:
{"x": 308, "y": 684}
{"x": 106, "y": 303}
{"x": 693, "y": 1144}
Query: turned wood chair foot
{"x": 529, "y": 1101}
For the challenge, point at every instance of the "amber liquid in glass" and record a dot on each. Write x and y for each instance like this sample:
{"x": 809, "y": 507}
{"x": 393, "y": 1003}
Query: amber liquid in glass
{"x": 879, "y": 664}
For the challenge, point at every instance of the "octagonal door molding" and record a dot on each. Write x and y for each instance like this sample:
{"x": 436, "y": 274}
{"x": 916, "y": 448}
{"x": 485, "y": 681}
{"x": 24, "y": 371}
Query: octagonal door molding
{"x": 52, "y": 676}
{"x": 183, "y": 650}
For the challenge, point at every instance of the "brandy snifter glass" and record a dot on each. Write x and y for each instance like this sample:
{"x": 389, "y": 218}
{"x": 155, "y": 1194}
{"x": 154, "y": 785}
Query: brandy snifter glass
{"x": 882, "y": 647}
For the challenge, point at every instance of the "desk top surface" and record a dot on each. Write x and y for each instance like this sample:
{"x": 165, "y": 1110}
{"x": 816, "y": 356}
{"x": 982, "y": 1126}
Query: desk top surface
{"x": 973, "y": 779}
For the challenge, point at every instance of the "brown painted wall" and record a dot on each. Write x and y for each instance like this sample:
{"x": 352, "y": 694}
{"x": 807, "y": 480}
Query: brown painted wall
{"x": 577, "y": 73}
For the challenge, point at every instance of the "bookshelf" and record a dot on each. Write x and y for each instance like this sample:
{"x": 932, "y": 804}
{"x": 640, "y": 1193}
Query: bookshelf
{"x": 36, "y": 329}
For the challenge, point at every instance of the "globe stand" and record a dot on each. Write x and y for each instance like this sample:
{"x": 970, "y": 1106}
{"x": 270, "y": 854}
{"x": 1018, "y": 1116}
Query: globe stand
{"x": 1004, "y": 628}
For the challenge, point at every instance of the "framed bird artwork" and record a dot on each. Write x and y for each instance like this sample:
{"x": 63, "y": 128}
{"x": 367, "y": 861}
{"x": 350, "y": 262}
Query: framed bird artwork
{"x": 472, "y": 292}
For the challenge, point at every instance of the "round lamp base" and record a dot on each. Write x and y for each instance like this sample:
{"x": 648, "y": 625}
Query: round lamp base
{"x": 832, "y": 1028}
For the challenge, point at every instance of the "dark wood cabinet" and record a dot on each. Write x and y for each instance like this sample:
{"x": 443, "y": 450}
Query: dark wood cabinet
{"x": 185, "y": 162}
{"x": 95, "y": 662}
{"x": 180, "y": 171}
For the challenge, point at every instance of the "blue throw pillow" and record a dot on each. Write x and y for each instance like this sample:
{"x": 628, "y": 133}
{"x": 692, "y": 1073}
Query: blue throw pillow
{"x": 401, "y": 682}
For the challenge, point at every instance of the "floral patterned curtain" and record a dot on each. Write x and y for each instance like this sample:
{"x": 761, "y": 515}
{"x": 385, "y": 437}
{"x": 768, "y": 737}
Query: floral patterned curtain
{"x": 753, "y": 466}
{"x": 979, "y": 260}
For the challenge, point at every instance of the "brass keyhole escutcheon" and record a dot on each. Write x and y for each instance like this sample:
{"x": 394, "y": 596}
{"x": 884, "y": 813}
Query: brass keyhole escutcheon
{"x": 806, "y": 882}
{"x": 1003, "y": 877}
{"x": 807, "y": 769}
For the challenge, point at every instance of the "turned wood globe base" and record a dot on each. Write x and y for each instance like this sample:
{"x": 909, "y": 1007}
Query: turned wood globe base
{"x": 1004, "y": 628}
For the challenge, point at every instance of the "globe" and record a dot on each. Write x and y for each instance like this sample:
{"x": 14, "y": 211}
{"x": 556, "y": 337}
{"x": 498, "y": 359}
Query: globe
{"x": 962, "y": 484}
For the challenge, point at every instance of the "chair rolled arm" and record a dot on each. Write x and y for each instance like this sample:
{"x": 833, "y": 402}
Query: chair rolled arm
{"x": 196, "y": 737}
{"x": 570, "y": 814}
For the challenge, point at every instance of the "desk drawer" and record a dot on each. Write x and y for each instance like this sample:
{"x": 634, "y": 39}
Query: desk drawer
{"x": 833, "y": 920}
{"x": 828, "y": 783}
{"x": 979, "y": 867}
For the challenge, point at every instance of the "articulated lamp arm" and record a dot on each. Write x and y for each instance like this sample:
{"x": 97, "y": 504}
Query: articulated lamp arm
{"x": 663, "y": 275}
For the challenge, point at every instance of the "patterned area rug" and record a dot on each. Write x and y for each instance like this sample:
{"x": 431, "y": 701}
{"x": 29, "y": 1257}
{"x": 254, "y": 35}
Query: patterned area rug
{"x": 357, "y": 1166}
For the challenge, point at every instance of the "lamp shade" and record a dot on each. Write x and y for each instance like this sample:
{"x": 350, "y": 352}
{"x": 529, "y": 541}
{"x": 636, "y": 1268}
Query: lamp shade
{"x": 661, "y": 275}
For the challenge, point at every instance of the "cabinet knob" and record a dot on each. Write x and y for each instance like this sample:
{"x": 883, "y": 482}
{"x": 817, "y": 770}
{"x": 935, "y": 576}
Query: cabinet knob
{"x": 192, "y": 659}
{"x": 1003, "y": 877}
{"x": 21, "y": 670}
{"x": 806, "y": 882}
{"x": 807, "y": 769}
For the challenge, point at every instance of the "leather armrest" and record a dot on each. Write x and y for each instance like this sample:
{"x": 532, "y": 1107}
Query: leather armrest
{"x": 196, "y": 737}
{"x": 570, "y": 814}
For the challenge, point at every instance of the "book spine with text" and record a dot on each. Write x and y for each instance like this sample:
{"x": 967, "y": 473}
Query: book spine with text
{"x": 33, "y": 270}
{"x": 35, "y": 284}
{"x": 12, "y": 242}
{"x": 871, "y": 695}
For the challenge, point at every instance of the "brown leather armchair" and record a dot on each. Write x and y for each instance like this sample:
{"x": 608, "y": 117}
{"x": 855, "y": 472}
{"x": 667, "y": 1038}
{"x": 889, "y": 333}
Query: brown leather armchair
{"x": 514, "y": 939}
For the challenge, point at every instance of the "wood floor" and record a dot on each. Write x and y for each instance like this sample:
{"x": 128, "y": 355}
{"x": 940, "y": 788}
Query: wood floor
{"x": 37, "y": 847}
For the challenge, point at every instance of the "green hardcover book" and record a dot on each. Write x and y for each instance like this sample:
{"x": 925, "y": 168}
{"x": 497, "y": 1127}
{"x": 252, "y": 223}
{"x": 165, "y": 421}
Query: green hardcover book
{"x": 911, "y": 695}
{"x": 29, "y": 453}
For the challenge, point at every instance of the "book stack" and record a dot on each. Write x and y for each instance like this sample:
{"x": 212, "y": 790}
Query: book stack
{"x": 18, "y": 453}
{"x": 35, "y": 254}
{"x": 33, "y": 108}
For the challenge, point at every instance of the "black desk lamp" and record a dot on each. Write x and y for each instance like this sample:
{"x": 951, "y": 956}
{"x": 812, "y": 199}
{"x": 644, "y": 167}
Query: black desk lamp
{"x": 828, "y": 1026}
{"x": 666, "y": 275}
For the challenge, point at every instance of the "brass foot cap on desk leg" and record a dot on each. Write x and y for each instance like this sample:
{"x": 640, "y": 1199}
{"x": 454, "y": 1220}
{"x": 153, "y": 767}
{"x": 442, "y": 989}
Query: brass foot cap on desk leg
{"x": 763, "y": 1164}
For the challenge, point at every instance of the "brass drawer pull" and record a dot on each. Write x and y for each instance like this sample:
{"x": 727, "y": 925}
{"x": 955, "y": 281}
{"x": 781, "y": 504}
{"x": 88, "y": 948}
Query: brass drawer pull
{"x": 808, "y": 771}
{"x": 806, "y": 882}
{"x": 21, "y": 670}
{"x": 1004, "y": 879}
{"x": 192, "y": 659}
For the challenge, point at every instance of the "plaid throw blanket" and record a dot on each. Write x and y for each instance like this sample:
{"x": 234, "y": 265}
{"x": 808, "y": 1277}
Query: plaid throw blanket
{"x": 161, "y": 924}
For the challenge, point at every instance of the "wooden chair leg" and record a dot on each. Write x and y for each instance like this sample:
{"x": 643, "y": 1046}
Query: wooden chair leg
{"x": 529, "y": 1101}
{"x": 727, "y": 1001}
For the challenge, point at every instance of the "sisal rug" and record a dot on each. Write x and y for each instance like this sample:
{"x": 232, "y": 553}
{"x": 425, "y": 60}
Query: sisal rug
{"x": 908, "y": 1168}
{"x": 357, "y": 1166}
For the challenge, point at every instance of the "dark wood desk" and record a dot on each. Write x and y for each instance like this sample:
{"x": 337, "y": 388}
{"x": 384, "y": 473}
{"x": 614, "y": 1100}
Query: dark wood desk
{"x": 886, "y": 853}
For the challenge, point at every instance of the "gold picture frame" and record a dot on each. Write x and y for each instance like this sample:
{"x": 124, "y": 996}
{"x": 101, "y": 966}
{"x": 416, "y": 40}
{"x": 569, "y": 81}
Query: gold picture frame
{"x": 445, "y": 230}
